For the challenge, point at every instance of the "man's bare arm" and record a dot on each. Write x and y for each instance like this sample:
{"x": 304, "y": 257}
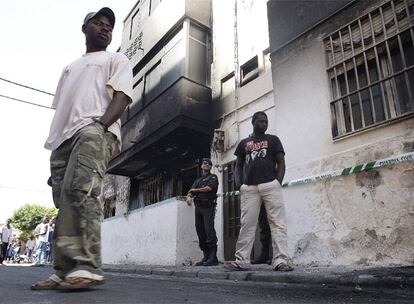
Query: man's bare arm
{"x": 115, "y": 109}
{"x": 280, "y": 167}
{"x": 238, "y": 173}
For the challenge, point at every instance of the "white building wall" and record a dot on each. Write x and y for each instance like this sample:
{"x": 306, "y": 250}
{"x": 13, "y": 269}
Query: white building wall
{"x": 160, "y": 234}
{"x": 365, "y": 218}
{"x": 177, "y": 221}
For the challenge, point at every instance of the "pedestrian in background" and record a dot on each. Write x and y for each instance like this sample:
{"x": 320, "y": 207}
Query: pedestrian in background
{"x": 85, "y": 133}
{"x": 49, "y": 252}
{"x": 42, "y": 234}
{"x": 10, "y": 250}
{"x": 30, "y": 245}
{"x": 6, "y": 239}
{"x": 204, "y": 194}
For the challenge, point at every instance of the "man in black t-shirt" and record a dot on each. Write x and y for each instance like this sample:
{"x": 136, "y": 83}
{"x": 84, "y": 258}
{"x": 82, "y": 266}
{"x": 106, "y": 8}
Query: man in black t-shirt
{"x": 204, "y": 193}
{"x": 260, "y": 170}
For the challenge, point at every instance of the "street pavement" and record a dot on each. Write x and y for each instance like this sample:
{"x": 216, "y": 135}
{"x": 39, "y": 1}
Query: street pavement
{"x": 388, "y": 277}
{"x": 127, "y": 286}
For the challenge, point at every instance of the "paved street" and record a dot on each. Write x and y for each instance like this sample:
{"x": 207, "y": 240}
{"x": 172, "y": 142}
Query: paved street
{"x": 128, "y": 288}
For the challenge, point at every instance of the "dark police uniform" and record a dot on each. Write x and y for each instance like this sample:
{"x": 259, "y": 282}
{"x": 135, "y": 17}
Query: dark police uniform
{"x": 205, "y": 209}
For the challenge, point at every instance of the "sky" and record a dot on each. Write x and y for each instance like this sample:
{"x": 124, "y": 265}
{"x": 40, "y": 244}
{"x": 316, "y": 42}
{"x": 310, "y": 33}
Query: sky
{"x": 39, "y": 38}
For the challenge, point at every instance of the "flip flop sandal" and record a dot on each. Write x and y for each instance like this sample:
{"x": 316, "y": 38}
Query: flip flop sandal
{"x": 45, "y": 285}
{"x": 78, "y": 283}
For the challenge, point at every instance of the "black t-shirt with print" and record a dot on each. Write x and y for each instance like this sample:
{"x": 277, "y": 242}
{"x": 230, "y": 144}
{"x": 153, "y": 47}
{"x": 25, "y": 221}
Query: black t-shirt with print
{"x": 210, "y": 180}
{"x": 258, "y": 152}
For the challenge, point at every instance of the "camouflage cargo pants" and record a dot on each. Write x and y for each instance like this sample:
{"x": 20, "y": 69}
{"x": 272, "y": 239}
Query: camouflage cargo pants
{"x": 77, "y": 169}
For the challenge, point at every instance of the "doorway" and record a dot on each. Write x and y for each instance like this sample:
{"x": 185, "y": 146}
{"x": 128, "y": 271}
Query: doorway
{"x": 231, "y": 213}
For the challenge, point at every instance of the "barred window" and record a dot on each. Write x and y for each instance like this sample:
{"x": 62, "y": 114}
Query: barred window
{"x": 160, "y": 186}
{"x": 370, "y": 65}
{"x": 148, "y": 191}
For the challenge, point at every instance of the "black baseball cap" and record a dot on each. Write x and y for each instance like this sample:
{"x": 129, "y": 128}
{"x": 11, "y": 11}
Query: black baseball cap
{"x": 105, "y": 11}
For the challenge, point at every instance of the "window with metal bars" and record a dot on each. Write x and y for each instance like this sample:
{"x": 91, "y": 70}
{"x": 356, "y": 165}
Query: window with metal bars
{"x": 370, "y": 65}
{"x": 149, "y": 191}
{"x": 154, "y": 189}
{"x": 160, "y": 186}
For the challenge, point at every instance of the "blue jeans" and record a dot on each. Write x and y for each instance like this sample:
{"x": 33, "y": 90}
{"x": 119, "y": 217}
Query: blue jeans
{"x": 41, "y": 253}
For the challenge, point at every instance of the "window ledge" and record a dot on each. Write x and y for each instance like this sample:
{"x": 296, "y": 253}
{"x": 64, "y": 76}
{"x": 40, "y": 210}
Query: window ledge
{"x": 374, "y": 127}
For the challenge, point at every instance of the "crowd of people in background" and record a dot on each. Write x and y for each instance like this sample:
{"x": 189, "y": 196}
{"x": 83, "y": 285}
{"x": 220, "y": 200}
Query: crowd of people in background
{"x": 38, "y": 249}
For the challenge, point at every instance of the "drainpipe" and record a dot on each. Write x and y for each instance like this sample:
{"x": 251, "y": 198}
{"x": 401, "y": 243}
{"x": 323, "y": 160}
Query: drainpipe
{"x": 236, "y": 71}
{"x": 236, "y": 84}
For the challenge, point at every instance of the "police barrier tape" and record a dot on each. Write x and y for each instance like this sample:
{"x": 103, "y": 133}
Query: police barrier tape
{"x": 342, "y": 172}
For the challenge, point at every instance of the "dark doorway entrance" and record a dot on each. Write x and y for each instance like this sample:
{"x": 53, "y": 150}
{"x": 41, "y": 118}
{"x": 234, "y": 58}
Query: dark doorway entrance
{"x": 231, "y": 213}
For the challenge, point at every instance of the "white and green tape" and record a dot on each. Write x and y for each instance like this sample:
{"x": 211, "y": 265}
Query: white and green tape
{"x": 342, "y": 172}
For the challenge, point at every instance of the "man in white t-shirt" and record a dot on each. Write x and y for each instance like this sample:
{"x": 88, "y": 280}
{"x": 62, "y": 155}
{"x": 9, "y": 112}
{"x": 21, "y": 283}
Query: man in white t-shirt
{"x": 6, "y": 238}
{"x": 42, "y": 233}
{"x": 91, "y": 96}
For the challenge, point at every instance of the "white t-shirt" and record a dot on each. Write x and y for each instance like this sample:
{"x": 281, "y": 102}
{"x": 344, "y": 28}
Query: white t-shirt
{"x": 85, "y": 90}
{"x": 44, "y": 232}
{"x": 6, "y": 234}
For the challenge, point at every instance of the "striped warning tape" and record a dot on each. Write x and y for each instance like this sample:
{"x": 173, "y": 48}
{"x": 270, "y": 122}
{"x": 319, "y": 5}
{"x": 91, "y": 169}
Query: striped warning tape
{"x": 342, "y": 172}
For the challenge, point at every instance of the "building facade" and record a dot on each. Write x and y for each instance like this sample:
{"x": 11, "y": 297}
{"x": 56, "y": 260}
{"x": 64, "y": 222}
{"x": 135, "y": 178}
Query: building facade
{"x": 166, "y": 130}
{"x": 343, "y": 90}
{"x": 336, "y": 80}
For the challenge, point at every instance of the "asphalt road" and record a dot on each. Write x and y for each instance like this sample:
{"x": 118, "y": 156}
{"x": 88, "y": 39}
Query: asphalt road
{"x": 124, "y": 288}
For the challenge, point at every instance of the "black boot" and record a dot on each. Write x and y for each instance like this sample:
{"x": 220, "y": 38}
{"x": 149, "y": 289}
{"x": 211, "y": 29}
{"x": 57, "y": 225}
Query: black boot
{"x": 212, "y": 258}
{"x": 263, "y": 258}
{"x": 204, "y": 259}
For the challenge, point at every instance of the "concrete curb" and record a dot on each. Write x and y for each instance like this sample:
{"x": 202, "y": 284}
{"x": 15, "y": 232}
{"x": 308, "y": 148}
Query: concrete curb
{"x": 386, "y": 277}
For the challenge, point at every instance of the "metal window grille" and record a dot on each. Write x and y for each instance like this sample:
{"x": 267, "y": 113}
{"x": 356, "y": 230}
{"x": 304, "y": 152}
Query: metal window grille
{"x": 154, "y": 189}
{"x": 370, "y": 65}
{"x": 160, "y": 186}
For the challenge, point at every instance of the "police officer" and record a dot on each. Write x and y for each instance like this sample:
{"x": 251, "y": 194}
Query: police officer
{"x": 204, "y": 193}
